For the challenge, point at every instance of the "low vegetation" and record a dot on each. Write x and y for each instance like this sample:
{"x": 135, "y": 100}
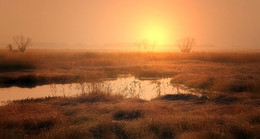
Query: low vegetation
{"x": 103, "y": 115}
{"x": 227, "y": 108}
{"x": 225, "y": 72}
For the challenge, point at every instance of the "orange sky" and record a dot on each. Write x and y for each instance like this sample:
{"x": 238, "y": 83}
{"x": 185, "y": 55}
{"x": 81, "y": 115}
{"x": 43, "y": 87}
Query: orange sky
{"x": 218, "y": 22}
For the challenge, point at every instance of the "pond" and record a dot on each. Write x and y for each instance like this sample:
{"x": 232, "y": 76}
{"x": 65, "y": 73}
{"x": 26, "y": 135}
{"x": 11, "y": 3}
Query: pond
{"x": 127, "y": 85}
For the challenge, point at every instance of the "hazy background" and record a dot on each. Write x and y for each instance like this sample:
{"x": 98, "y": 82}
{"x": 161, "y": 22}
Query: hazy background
{"x": 220, "y": 24}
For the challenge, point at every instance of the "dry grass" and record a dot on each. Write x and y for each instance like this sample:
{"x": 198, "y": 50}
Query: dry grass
{"x": 233, "y": 113}
{"x": 29, "y": 118}
{"x": 226, "y": 72}
{"x": 128, "y": 118}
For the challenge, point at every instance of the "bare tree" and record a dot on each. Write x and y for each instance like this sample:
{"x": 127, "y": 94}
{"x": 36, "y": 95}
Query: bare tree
{"x": 20, "y": 42}
{"x": 138, "y": 45}
{"x": 146, "y": 44}
{"x": 10, "y": 46}
{"x": 186, "y": 44}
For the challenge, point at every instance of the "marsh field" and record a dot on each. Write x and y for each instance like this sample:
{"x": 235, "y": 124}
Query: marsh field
{"x": 163, "y": 95}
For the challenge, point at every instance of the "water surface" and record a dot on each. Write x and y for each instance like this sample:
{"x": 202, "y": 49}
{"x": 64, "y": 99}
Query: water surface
{"x": 125, "y": 85}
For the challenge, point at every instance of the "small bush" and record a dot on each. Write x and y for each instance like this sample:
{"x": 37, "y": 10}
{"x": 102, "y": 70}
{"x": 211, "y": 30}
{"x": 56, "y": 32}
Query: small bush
{"x": 127, "y": 115}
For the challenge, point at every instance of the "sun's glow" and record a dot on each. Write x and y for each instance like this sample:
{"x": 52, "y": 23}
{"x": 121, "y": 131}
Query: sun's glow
{"x": 156, "y": 33}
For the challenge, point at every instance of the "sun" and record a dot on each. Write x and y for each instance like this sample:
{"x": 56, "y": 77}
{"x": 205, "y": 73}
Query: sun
{"x": 156, "y": 33}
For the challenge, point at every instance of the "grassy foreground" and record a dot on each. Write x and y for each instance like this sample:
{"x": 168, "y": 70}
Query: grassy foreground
{"x": 103, "y": 115}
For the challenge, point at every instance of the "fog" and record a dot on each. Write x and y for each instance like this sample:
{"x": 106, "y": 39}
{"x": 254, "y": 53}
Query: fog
{"x": 221, "y": 24}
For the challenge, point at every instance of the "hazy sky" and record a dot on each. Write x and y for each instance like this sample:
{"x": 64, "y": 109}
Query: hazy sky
{"x": 218, "y": 22}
